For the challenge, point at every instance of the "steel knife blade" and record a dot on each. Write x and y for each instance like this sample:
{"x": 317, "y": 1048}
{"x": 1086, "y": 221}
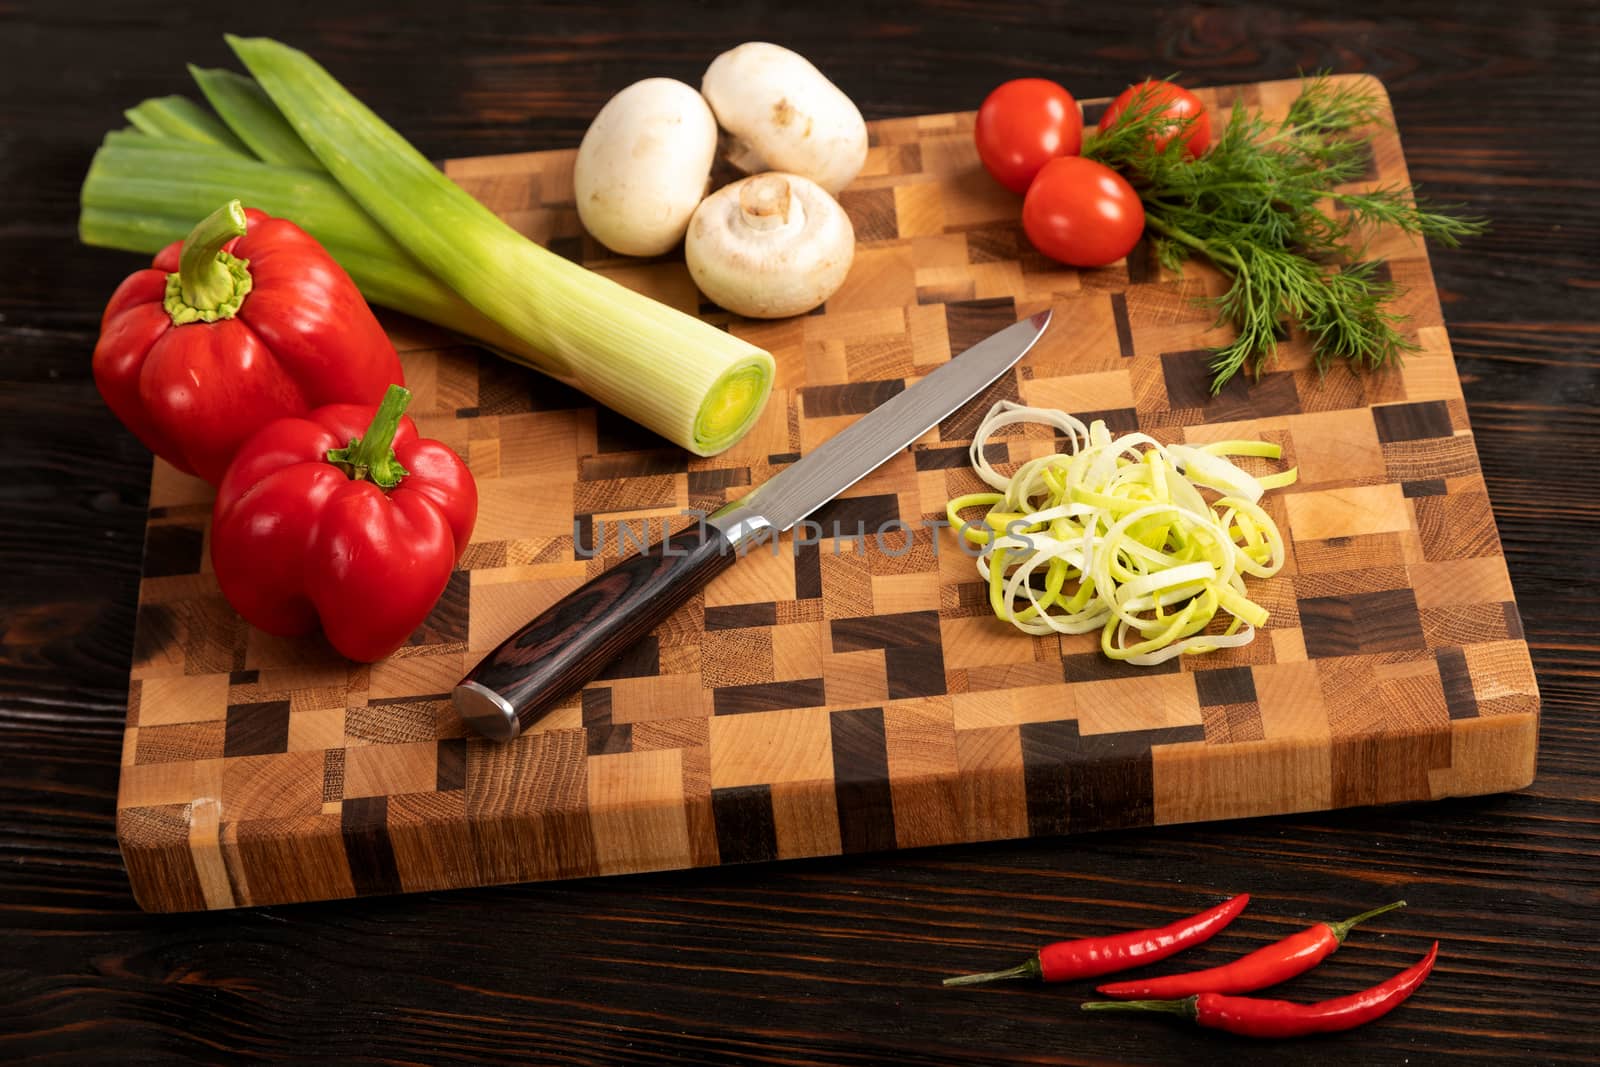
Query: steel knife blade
{"x": 568, "y": 644}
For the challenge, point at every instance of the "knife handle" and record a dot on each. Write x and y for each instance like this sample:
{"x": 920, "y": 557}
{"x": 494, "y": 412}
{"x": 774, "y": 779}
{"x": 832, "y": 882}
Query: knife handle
{"x": 518, "y": 683}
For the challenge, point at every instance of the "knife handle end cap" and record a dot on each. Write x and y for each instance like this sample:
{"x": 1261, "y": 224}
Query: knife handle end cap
{"x": 486, "y": 711}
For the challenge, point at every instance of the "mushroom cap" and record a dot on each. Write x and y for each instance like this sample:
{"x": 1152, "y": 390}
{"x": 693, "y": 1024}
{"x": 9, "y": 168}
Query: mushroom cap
{"x": 785, "y": 115}
{"x": 643, "y": 166}
{"x": 770, "y": 246}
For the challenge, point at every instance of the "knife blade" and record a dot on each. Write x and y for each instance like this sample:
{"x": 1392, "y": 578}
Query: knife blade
{"x": 572, "y": 641}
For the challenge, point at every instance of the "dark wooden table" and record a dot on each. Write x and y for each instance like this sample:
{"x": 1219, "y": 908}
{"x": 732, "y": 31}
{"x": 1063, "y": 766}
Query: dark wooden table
{"x": 823, "y": 961}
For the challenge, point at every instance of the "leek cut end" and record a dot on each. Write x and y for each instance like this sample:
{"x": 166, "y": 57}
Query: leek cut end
{"x": 732, "y": 404}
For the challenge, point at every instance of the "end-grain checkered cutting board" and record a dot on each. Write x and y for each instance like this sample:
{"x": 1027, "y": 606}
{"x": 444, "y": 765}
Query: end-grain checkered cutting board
{"x": 847, "y": 696}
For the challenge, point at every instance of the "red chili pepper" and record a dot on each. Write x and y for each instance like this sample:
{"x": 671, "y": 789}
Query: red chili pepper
{"x": 246, "y": 321}
{"x": 1277, "y": 962}
{"x": 345, "y": 517}
{"x": 1254, "y": 1017}
{"x": 1091, "y": 956}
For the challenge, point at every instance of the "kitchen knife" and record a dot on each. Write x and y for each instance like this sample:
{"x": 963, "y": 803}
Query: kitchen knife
{"x": 519, "y": 682}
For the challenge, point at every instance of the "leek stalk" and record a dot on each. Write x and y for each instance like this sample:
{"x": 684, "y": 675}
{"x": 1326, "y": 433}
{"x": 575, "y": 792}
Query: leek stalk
{"x": 694, "y": 384}
{"x": 179, "y": 117}
{"x": 140, "y": 197}
{"x": 157, "y": 179}
{"x": 135, "y": 139}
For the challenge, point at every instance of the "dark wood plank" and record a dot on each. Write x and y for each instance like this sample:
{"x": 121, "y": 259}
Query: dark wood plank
{"x": 830, "y": 961}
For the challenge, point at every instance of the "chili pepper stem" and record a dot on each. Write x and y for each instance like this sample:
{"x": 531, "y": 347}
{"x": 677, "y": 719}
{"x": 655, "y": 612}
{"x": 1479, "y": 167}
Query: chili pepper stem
{"x": 1188, "y": 1007}
{"x": 371, "y": 456}
{"x": 1029, "y": 969}
{"x": 209, "y": 284}
{"x": 1341, "y": 930}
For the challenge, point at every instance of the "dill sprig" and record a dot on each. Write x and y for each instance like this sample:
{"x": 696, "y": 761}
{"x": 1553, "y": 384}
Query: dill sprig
{"x": 1264, "y": 205}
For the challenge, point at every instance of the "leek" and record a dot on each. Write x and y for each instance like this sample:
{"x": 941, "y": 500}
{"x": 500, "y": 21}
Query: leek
{"x": 694, "y": 384}
{"x": 158, "y": 179}
{"x": 180, "y": 118}
{"x": 1132, "y": 531}
{"x": 140, "y": 197}
{"x": 253, "y": 118}
{"x": 135, "y": 139}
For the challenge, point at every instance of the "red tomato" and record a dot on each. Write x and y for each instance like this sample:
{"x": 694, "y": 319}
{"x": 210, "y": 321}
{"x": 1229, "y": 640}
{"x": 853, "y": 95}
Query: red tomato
{"x": 1023, "y": 125}
{"x": 1172, "y": 100}
{"x": 1081, "y": 212}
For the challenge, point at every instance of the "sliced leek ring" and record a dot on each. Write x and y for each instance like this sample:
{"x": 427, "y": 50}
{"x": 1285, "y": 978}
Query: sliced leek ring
{"x": 1117, "y": 534}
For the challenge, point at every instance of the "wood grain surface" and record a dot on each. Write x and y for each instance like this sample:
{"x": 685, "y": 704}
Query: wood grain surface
{"x": 820, "y": 961}
{"x": 850, "y": 690}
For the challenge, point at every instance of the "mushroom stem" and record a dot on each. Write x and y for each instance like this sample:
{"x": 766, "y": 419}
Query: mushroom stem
{"x": 769, "y": 246}
{"x": 764, "y": 202}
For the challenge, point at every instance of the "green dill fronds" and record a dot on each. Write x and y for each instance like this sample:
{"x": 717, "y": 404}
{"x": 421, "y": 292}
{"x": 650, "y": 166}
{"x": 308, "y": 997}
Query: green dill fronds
{"x": 1347, "y": 318}
{"x": 1325, "y": 107}
{"x": 1264, "y": 206}
{"x": 1399, "y": 206}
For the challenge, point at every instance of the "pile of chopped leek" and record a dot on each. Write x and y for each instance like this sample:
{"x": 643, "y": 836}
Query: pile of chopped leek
{"x": 1116, "y": 535}
{"x": 294, "y": 143}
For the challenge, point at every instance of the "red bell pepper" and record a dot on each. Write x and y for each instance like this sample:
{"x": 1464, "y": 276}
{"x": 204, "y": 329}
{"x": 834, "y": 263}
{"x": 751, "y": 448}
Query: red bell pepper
{"x": 243, "y": 322}
{"x": 344, "y": 517}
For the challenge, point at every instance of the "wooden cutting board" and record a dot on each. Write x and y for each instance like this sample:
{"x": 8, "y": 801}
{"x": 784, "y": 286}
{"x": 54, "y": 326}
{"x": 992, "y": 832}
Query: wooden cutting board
{"x": 852, "y": 695}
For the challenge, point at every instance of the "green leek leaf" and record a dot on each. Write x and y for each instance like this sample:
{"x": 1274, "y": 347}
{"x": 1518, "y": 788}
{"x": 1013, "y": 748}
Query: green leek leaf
{"x": 251, "y": 115}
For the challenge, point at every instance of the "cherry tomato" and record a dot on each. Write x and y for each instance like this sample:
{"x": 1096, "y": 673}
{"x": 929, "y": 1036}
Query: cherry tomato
{"x": 1023, "y": 125}
{"x": 1172, "y": 100}
{"x": 1081, "y": 212}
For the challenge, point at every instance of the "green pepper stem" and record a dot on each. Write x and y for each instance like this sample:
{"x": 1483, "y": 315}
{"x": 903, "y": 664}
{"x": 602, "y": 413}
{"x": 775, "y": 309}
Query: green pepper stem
{"x": 371, "y": 457}
{"x": 1029, "y": 969}
{"x": 209, "y": 284}
{"x": 1188, "y": 1007}
{"x": 1342, "y": 930}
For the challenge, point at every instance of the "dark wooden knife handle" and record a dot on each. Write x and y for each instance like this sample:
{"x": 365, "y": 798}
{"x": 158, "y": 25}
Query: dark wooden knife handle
{"x": 518, "y": 683}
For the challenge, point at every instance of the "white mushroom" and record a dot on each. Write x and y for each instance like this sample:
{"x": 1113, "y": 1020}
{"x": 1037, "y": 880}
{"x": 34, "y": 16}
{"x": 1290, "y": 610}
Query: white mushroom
{"x": 783, "y": 114}
{"x": 643, "y": 166}
{"x": 770, "y": 246}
